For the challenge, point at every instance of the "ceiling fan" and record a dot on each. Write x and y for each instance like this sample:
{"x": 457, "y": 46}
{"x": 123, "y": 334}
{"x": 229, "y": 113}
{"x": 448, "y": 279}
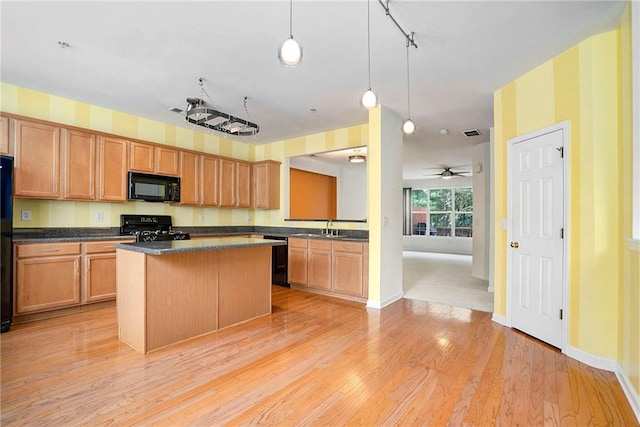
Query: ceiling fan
{"x": 447, "y": 173}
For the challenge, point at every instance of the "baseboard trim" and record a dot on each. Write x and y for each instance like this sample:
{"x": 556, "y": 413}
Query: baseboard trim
{"x": 500, "y": 319}
{"x": 632, "y": 395}
{"x": 382, "y": 304}
{"x": 479, "y": 277}
{"x": 589, "y": 359}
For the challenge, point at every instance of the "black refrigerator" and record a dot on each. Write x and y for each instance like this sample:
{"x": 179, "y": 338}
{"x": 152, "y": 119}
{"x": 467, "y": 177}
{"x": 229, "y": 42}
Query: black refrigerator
{"x": 6, "y": 244}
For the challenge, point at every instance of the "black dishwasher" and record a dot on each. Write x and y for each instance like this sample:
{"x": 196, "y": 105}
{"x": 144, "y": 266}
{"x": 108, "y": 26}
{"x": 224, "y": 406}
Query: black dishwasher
{"x": 279, "y": 259}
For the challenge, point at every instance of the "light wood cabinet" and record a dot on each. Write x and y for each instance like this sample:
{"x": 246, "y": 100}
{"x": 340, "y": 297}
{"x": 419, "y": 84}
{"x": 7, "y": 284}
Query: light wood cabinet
{"x": 227, "y": 183}
{"x": 112, "y": 169}
{"x": 266, "y": 185}
{"x": 166, "y": 161}
{"x": 209, "y": 187}
{"x": 189, "y": 178}
{"x": 297, "y": 265}
{"x": 47, "y": 276}
{"x": 37, "y": 159}
{"x": 330, "y": 267}
{"x": 320, "y": 264}
{"x": 150, "y": 158}
{"x": 198, "y": 180}
{"x": 243, "y": 184}
{"x": 79, "y": 165}
{"x": 5, "y": 147}
{"x": 60, "y": 275}
{"x": 348, "y": 267}
{"x": 99, "y": 271}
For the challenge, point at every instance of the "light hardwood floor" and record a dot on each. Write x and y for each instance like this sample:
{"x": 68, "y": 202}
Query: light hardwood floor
{"x": 314, "y": 361}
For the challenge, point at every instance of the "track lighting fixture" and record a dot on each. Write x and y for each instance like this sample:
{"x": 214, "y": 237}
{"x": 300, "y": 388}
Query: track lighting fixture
{"x": 369, "y": 98}
{"x": 290, "y": 51}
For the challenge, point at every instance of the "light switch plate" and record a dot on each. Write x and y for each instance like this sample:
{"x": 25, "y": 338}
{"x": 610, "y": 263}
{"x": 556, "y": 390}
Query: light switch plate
{"x": 25, "y": 215}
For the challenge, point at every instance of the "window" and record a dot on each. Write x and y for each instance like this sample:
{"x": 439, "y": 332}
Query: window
{"x": 442, "y": 212}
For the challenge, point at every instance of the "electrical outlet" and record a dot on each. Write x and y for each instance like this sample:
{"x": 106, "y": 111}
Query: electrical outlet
{"x": 99, "y": 216}
{"x": 26, "y": 215}
{"x": 201, "y": 218}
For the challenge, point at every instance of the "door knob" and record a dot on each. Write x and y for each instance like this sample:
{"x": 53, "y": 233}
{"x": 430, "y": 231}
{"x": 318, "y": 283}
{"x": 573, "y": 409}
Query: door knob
{"x": 515, "y": 245}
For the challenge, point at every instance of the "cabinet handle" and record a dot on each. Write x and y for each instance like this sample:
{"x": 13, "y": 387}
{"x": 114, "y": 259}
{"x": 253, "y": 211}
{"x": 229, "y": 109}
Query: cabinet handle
{"x": 50, "y": 250}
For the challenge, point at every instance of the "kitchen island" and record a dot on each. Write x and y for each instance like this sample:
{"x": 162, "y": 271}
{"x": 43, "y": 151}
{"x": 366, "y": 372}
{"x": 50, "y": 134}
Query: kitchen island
{"x": 172, "y": 291}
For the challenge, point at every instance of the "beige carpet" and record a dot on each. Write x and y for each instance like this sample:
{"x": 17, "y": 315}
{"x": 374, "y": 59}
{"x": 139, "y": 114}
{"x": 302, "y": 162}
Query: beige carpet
{"x": 444, "y": 279}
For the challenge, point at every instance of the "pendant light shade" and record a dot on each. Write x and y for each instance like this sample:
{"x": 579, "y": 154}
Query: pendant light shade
{"x": 408, "y": 127}
{"x": 290, "y": 53}
{"x": 369, "y": 98}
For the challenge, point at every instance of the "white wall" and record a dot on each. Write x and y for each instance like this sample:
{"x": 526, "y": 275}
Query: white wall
{"x": 440, "y": 244}
{"x": 351, "y": 184}
{"x": 481, "y": 166}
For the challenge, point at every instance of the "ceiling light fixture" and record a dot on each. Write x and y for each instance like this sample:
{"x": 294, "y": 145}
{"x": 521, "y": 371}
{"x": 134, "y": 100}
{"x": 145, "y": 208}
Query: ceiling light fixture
{"x": 357, "y": 157}
{"x": 290, "y": 51}
{"x": 369, "y": 98}
{"x": 408, "y": 127}
{"x": 201, "y": 115}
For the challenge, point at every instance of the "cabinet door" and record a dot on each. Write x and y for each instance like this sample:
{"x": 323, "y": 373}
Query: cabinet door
{"x": 227, "y": 183}
{"x": 141, "y": 157}
{"x": 347, "y": 273}
{"x": 365, "y": 270}
{"x": 297, "y": 268}
{"x": 47, "y": 282}
{"x": 79, "y": 150}
{"x": 100, "y": 276}
{"x": 4, "y": 136}
{"x": 319, "y": 269}
{"x": 243, "y": 185}
{"x": 37, "y": 160}
{"x": 113, "y": 169}
{"x": 266, "y": 185}
{"x": 189, "y": 179}
{"x": 209, "y": 187}
{"x": 166, "y": 161}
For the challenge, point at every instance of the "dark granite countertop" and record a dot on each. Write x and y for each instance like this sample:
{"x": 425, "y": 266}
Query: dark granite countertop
{"x": 86, "y": 234}
{"x": 184, "y": 246}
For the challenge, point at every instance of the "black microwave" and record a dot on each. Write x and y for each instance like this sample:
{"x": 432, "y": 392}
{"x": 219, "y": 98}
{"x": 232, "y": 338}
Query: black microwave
{"x": 153, "y": 188}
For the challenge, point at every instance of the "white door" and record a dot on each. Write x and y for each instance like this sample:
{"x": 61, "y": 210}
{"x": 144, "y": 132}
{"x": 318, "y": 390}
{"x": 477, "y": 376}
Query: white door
{"x": 535, "y": 252}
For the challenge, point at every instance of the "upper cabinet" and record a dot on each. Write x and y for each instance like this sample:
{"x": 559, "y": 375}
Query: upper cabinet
{"x": 5, "y": 147}
{"x": 266, "y": 185}
{"x": 79, "y": 164}
{"x": 227, "y": 183}
{"x": 112, "y": 169}
{"x": 243, "y": 184}
{"x": 209, "y": 176}
{"x": 151, "y": 158}
{"x": 37, "y": 159}
{"x": 189, "y": 178}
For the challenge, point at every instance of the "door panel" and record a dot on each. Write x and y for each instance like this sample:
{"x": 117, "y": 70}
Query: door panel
{"x": 536, "y": 251}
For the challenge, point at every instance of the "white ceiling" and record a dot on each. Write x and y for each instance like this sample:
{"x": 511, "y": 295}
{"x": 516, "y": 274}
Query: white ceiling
{"x": 146, "y": 57}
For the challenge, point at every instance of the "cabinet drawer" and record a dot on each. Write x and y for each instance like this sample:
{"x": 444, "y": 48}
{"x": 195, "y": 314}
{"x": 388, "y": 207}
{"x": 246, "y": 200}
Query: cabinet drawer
{"x": 47, "y": 249}
{"x": 297, "y": 243}
{"x": 101, "y": 247}
{"x": 320, "y": 244}
{"x": 351, "y": 247}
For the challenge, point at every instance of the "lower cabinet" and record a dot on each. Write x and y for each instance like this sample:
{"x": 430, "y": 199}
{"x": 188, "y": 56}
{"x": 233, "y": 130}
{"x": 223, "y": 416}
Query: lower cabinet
{"x": 329, "y": 267}
{"x": 51, "y": 276}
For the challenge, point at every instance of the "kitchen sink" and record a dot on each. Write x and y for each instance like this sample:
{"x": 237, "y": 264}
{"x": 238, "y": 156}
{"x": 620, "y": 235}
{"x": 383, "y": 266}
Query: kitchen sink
{"x": 320, "y": 235}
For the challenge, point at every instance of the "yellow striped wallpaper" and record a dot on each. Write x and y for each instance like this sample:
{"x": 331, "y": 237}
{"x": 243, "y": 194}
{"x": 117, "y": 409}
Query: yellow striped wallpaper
{"x": 589, "y": 85}
{"x": 51, "y": 213}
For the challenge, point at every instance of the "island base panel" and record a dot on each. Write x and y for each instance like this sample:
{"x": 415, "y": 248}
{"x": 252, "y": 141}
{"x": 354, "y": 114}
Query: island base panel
{"x": 182, "y": 297}
{"x": 244, "y": 284}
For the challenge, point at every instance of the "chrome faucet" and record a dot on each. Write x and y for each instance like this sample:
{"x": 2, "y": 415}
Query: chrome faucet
{"x": 329, "y": 231}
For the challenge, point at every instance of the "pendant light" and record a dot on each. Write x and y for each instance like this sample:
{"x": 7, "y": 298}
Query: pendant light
{"x": 290, "y": 51}
{"x": 408, "y": 127}
{"x": 369, "y": 98}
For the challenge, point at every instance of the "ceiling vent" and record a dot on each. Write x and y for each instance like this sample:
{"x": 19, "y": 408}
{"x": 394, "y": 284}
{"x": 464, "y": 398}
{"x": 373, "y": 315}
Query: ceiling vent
{"x": 471, "y": 132}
